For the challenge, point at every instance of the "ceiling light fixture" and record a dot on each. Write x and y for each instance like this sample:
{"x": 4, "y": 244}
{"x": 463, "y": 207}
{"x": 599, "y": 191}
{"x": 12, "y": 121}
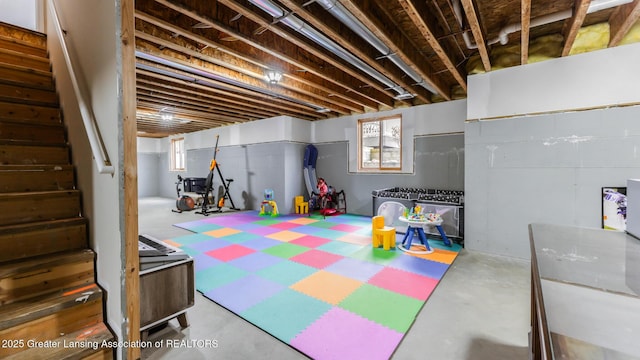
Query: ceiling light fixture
{"x": 323, "y": 110}
{"x": 273, "y": 76}
{"x": 165, "y": 115}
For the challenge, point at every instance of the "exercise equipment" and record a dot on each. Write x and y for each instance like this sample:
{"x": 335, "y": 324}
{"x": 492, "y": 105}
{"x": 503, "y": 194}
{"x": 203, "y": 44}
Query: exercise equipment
{"x": 183, "y": 202}
{"x": 208, "y": 188}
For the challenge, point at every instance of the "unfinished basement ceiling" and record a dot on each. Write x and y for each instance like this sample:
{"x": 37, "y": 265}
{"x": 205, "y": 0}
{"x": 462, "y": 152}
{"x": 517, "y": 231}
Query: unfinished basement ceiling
{"x": 202, "y": 64}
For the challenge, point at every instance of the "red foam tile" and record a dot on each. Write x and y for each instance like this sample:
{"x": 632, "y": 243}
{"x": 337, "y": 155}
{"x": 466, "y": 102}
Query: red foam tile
{"x": 316, "y": 258}
{"x": 403, "y": 282}
{"x": 346, "y": 228}
{"x": 310, "y": 241}
{"x": 230, "y": 252}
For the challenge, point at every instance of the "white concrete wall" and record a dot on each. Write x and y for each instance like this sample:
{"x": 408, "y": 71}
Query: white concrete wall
{"x": 92, "y": 37}
{"x": 585, "y": 81}
{"x": 22, "y": 13}
{"x": 548, "y": 167}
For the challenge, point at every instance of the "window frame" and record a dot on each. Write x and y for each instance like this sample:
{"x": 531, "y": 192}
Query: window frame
{"x": 181, "y": 153}
{"x": 360, "y": 144}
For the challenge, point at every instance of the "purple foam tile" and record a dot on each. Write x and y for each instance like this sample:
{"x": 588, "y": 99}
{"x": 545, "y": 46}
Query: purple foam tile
{"x": 244, "y": 293}
{"x": 340, "y": 334}
{"x": 214, "y": 243}
{"x": 432, "y": 269}
{"x": 261, "y": 243}
{"x": 264, "y": 230}
{"x": 355, "y": 269}
{"x": 247, "y": 226}
{"x": 255, "y": 261}
{"x": 228, "y": 221}
{"x": 204, "y": 261}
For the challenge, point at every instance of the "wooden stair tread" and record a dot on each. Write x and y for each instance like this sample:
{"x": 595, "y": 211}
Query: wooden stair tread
{"x": 21, "y": 68}
{"x": 15, "y": 142}
{"x": 22, "y": 35}
{"x": 96, "y": 334}
{"x": 34, "y": 308}
{"x": 24, "y": 76}
{"x": 27, "y": 95}
{"x": 42, "y": 225}
{"x": 17, "y": 267}
{"x": 9, "y": 56}
{"x": 38, "y": 193}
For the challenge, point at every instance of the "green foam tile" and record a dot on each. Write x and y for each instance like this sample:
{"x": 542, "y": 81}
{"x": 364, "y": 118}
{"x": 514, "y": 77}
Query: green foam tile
{"x": 267, "y": 222}
{"x": 286, "y": 250}
{"x": 385, "y": 307}
{"x": 340, "y": 248}
{"x": 298, "y": 309}
{"x": 217, "y": 276}
{"x": 376, "y": 255}
{"x": 286, "y": 272}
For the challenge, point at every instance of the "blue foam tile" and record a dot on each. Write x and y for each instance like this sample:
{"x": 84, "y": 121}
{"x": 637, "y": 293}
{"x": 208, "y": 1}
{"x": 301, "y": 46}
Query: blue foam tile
{"x": 211, "y": 244}
{"x": 355, "y": 269}
{"x": 432, "y": 269}
{"x": 191, "y": 239}
{"x": 255, "y": 261}
{"x": 243, "y": 293}
{"x": 216, "y": 276}
{"x": 261, "y": 243}
{"x": 286, "y": 272}
{"x": 340, "y": 248}
{"x": 204, "y": 261}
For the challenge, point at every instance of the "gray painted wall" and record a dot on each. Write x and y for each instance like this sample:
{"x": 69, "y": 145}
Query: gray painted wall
{"x": 253, "y": 168}
{"x": 278, "y": 166}
{"x": 148, "y": 173}
{"x": 439, "y": 164}
{"x": 548, "y": 168}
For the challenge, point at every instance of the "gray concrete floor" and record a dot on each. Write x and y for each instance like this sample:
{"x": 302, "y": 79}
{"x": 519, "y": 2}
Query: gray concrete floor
{"x": 479, "y": 310}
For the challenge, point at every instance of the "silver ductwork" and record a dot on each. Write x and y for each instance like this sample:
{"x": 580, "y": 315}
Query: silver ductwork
{"x": 295, "y": 23}
{"x": 346, "y": 17}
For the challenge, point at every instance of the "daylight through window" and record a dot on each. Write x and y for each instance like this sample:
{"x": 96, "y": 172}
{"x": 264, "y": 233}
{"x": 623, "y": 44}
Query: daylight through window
{"x": 380, "y": 144}
{"x": 177, "y": 154}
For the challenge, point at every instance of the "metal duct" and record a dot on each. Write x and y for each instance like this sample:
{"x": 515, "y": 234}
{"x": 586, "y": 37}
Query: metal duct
{"x": 301, "y": 27}
{"x": 341, "y": 13}
{"x": 208, "y": 75}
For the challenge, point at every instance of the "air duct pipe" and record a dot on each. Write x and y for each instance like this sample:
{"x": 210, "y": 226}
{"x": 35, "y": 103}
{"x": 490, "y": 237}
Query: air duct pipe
{"x": 298, "y": 25}
{"x": 503, "y": 35}
{"x": 341, "y": 13}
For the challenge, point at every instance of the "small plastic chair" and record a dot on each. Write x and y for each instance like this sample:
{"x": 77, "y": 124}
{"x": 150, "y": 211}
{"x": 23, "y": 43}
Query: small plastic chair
{"x": 302, "y": 207}
{"x": 381, "y": 234}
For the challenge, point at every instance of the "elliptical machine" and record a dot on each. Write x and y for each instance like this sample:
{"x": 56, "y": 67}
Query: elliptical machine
{"x": 183, "y": 202}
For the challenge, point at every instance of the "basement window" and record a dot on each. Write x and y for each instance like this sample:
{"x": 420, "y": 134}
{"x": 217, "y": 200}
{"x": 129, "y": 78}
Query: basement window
{"x": 380, "y": 144}
{"x": 177, "y": 154}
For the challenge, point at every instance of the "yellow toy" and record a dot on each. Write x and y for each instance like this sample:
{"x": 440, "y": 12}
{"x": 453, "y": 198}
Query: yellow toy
{"x": 270, "y": 203}
{"x": 302, "y": 207}
{"x": 381, "y": 234}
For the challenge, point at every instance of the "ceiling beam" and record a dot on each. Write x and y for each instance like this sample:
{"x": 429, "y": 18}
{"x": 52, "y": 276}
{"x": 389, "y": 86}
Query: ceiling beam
{"x": 621, "y": 21}
{"x": 574, "y": 24}
{"x": 269, "y": 45}
{"x": 472, "y": 18}
{"x": 424, "y": 28}
{"x": 525, "y": 21}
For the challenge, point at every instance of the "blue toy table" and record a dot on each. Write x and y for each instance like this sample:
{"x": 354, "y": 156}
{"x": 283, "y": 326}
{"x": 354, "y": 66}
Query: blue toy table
{"x": 416, "y": 227}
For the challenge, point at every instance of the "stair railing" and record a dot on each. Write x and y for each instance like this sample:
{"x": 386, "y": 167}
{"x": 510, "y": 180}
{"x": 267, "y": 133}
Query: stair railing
{"x": 91, "y": 127}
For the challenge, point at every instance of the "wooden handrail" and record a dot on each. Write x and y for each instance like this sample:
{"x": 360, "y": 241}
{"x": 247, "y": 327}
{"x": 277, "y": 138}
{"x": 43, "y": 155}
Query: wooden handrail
{"x": 96, "y": 143}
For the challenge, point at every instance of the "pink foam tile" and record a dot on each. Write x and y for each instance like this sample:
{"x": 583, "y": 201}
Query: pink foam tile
{"x": 346, "y": 228}
{"x": 230, "y": 252}
{"x": 310, "y": 241}
{"x": 285, "y": 225}
{"x": 316, "y": 258}
{"x": 404, "y": 282}
{"x": 340, "y": 334}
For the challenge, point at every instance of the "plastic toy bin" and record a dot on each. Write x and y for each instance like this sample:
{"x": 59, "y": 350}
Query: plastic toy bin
{"x": 195, "y": 185}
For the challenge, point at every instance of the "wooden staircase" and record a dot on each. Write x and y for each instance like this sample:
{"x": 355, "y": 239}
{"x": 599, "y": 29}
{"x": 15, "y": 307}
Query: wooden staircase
{"x": 50, "y": 305}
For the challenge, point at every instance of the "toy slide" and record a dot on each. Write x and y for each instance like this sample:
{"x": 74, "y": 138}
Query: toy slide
{"x": 309, "y": 168}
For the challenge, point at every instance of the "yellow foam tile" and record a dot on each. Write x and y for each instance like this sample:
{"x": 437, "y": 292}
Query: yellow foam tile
{"x": 218, "y": 233}
{"x": 172, "y": 243}
{"x": 326, "y": 286}
{"x": 439, "y": 255}
{"x": 285, "y": 235}
{"x": 356, "y": 239}
{"x": 303, "y": 221}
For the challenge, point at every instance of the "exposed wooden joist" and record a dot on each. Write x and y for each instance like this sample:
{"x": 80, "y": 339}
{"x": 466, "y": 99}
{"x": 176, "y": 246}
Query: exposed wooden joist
{"x": 574, "y": 24}
{"x": 249, "y": 69}
{"x": 525, "y": 20}
{"x": 267, "y": 44}
{"x": 472, "y": 17}
{"x": 412, "y": 11}
{"x": 356, "y": 46}
{"x": 621, "y": 21}
{"x": 288, "y": 65}
{"x": 286, "y": 108}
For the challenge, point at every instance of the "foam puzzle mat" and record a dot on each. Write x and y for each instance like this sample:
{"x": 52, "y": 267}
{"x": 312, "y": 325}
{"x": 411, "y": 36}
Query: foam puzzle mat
{"x": 316, "y": 284}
